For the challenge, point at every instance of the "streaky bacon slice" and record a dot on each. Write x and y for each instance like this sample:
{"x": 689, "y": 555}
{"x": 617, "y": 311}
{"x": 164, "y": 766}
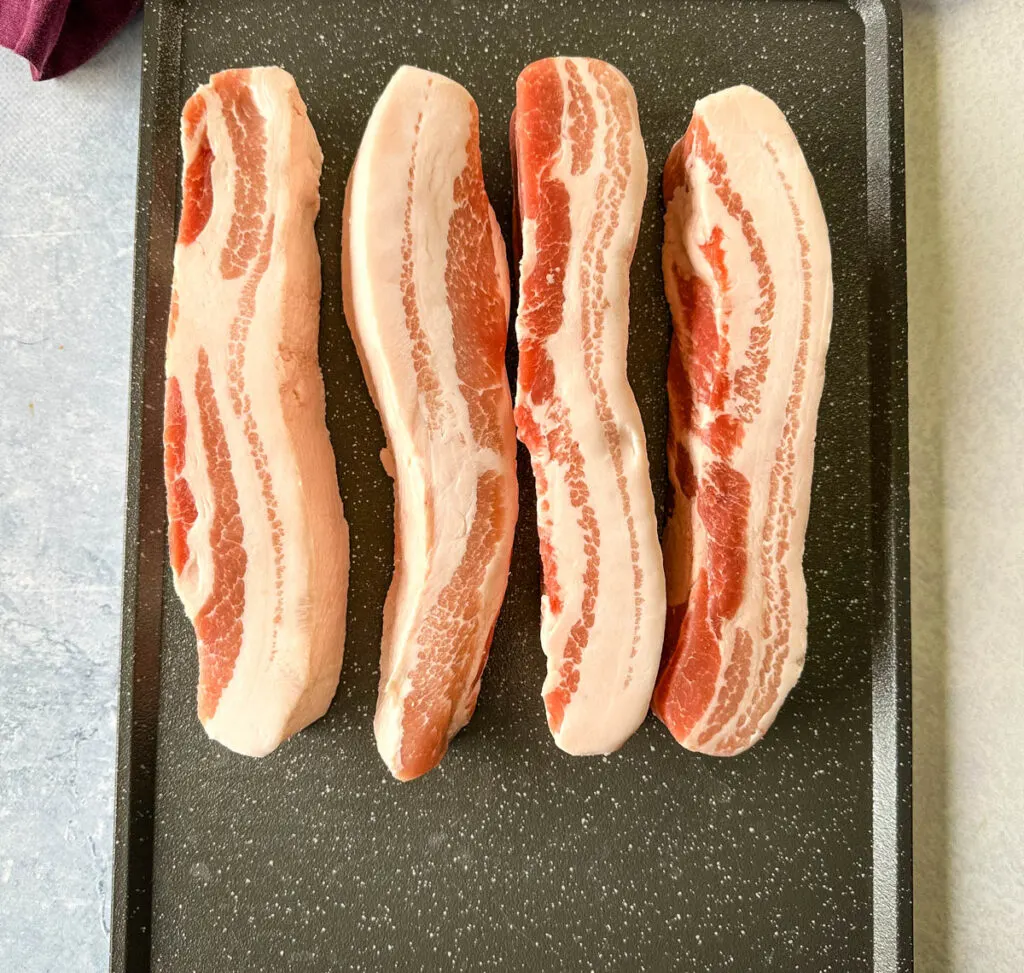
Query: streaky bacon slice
{"x": 258, "y": 539}
{"x": 581, "y": 179}
{"x": 748, "y": 277}
{"x": 425, "y": 280}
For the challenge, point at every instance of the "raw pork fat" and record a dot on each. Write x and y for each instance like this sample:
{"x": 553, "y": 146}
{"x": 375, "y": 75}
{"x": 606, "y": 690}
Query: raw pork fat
{"x": 748, "y": 277}
{"x": 581, "y": 178}
{"x": 258, "y": 540}
{"x": 425, "y": 279}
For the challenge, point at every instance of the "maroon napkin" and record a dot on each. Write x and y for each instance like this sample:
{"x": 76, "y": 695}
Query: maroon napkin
{"x": 55, "y": 36}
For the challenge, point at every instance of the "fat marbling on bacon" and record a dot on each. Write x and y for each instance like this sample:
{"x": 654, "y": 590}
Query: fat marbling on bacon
{"x": 748, "y": 277}
{"x": 581, "y": 179}
{"x": 258, "y": 540}
{"x": 425, "y": 280}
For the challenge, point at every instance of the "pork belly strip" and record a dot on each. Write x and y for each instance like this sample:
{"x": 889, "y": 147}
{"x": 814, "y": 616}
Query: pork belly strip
{"x": 581, "y": 178}
{"x": 258, "y": 539}
{"x": 426, "y": 287}
{"x": 748, "y": 276}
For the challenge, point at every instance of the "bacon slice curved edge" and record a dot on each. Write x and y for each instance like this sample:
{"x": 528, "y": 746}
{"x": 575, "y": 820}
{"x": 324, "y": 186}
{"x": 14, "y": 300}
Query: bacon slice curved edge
{"x": 425, "y": 280}
{"x": 258, "y": 540}
{"x": 581, "y": 179}
{"x": 748, "y": 277}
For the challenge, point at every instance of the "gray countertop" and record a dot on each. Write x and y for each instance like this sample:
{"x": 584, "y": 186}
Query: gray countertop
{"x": 67, "y": 188}
{"x": 67, "y": 208}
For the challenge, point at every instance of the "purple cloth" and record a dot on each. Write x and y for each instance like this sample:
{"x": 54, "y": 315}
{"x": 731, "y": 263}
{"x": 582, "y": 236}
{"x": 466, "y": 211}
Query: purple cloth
{"x": 55, "y": 36}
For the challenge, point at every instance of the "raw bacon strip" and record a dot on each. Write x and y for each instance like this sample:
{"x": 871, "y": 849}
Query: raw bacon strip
{"x": 427, "y": 298}
{"x": 748, "y": 276}
{"x": 581, "y": 180}
{"x": 258, "y": 540}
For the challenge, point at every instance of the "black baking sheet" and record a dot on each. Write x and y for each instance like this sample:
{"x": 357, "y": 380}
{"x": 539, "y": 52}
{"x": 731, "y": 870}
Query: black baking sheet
{"x": 512, "y": 855}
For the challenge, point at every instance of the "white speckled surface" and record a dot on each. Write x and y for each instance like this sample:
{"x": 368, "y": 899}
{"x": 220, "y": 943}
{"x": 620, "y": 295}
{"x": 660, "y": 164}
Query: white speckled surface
{"x": 67, "y": 206}
{"x": 66, "y": 211}
{"x": 965, "y": 143}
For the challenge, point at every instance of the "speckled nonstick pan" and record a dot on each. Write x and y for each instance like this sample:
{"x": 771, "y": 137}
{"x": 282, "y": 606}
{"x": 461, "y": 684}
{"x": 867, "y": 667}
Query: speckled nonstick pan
{"x": 512, "y": 855}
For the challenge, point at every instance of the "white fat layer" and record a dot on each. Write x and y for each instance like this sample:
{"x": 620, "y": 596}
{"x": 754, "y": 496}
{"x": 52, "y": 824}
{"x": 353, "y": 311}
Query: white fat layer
{"x": 437, "y": 470}
{"x": 615, "y": 686}
{"x": 284, "y": 668}
{"x": 743, "y": 124}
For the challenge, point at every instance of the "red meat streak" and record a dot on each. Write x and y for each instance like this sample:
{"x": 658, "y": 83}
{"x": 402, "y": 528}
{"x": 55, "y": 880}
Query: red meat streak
{"x": 449, "y": 666}
{"x": 544, "y": 199}
{"x": 686, "y": 685}
{"x": 427, "y": 382}
{"x": 181, "y": 505}
{"x": 547, "y": 551}
{"x": 683, "y": 483}
{"x": 172, "y": 319}
{"x": 775, "y": 623}
{"x": 219, "y": 622}
{"x": 611, "y": 191}
{"x": 197, "y": 194}
{"x": 249, "y": 222}
{"x": 197, "y": 203}
{"x": 247, "y": 249}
